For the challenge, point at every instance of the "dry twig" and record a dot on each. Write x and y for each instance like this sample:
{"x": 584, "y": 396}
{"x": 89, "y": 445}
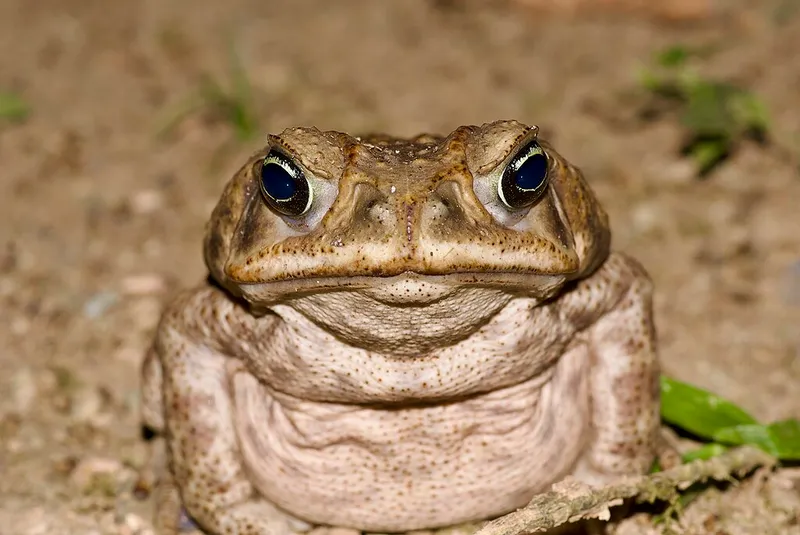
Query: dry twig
{"x": 571, "y": 501}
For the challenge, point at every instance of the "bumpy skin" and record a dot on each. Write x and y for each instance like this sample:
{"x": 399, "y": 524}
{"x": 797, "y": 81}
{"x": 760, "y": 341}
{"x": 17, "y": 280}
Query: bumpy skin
{"x": 409, "y": 354}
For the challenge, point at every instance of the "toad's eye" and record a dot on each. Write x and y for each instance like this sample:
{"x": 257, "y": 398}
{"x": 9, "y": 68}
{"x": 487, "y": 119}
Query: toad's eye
{"x": 284, "y": 185}
{"x": 525, "y": 178}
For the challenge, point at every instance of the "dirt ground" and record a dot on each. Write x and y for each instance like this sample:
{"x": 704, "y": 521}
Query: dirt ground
{"x": 102, "y": 220}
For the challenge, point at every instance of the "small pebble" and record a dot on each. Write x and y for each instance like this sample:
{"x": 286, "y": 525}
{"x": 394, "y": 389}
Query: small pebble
{"x": 678, "y": 172}
{"x": 23, "y": 390}
{"x": 646, "y": 217}
{"x": 87, "y": 471}
{"x": 98, "y": 304}
{"x": 131, "y": 524}
{"x": 86, "y": 404}
{"x": 146, "y": 201}
{"x": 143, "y": 284}
{"x": 20, "y": 325}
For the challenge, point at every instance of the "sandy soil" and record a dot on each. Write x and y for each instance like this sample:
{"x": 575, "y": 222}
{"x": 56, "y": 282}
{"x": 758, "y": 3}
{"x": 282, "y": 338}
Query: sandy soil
{"x": 102, "y": 220}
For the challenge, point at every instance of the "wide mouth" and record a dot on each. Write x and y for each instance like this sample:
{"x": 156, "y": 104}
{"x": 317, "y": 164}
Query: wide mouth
{"x": 405, "y": 287}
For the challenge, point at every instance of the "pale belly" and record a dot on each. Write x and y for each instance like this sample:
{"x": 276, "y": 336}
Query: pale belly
{"x": 399, "y": 469}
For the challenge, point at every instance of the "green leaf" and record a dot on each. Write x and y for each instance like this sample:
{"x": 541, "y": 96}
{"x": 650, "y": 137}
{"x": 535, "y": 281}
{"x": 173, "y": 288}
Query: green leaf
{"x": 708, "y": 111}
{"x": 673, "y": 56}
{"x": 705, "y": 452}
{"x": 786, "y": 437}
{"x": 749, "y": 111}
{"x": 780, "y": 439}
{"x": 649, "y": 80}
{"x": 708, "y": 152}
{"x": 698, "y": 411}
{"x": 13, "y": 107}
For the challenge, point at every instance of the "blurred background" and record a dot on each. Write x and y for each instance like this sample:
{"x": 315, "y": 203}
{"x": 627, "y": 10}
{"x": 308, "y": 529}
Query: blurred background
{"x": 121, "y": 121}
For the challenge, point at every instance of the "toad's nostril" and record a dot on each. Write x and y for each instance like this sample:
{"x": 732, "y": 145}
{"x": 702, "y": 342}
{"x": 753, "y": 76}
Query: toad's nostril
{"x": 445, "y": 203}
{"x": 439, "y": 208}
{"x": 371, "y": 206}
{"x": 379, "y": 213}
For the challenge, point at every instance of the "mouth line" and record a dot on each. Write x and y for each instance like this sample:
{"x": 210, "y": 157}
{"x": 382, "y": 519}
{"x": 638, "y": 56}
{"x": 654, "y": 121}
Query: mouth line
{"x": 497, "y": 277}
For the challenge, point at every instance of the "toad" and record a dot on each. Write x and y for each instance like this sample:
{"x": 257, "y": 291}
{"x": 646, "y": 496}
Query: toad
{"x": 401, "y": 334}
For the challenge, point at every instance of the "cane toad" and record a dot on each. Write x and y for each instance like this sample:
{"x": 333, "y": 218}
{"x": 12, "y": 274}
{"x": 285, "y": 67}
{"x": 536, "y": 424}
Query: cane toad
{"x": 402, "y": 334}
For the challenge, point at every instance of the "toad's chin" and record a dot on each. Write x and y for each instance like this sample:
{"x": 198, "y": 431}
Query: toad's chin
{"x": 409, "y": 289}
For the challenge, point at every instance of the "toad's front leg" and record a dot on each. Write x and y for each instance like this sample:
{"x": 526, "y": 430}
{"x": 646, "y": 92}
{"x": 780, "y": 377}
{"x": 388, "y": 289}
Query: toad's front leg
{"x": 191, "y": 359}
{"x": 613, "y": 308}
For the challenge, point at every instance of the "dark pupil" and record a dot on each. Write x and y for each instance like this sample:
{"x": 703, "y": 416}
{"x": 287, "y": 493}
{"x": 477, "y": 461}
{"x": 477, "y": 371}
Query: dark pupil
{"x": 278, "y": 182}
{"x": 522, "y": 186}
{"x": 532, "y": 172}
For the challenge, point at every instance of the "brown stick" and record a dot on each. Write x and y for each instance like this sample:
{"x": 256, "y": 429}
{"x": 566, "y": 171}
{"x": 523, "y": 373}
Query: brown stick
{"x": 571, "y": 501}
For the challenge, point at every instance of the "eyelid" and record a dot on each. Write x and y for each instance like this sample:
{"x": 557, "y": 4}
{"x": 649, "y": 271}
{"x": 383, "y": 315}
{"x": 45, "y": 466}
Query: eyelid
{"x": 273, "y": 156}
{"x": 533, "y": 148}
{"x": 280, "y": 162}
